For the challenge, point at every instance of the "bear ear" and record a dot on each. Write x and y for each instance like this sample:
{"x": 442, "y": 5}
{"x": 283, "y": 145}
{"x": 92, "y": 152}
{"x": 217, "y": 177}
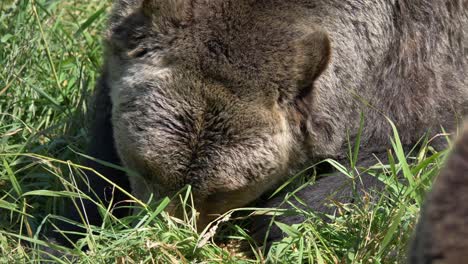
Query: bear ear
{"x": 168, "y": 12}
{"x": 312, "y": 58}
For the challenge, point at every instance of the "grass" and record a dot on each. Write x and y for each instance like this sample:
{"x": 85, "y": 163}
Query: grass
{"x": 50, "y": 53}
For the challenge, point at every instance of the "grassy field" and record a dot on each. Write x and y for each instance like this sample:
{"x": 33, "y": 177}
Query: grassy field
{"x": 50, "y": 56}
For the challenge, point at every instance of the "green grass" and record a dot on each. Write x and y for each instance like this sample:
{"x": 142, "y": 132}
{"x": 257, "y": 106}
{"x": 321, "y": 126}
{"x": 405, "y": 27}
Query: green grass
{"x": 50, "y": 53}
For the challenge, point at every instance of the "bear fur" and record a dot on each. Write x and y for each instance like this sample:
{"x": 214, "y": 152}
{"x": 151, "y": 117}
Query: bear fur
{"x": 233, "y": 97}
{"x": 441, "y": 234}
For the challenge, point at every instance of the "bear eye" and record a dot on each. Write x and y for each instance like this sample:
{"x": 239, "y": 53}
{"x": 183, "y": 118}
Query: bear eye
{"x": 138, "y": 53}
{"x": 141, "y": 51}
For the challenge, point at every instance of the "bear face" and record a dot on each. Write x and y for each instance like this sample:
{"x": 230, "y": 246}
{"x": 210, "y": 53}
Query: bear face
{"x": 199, "y": 98}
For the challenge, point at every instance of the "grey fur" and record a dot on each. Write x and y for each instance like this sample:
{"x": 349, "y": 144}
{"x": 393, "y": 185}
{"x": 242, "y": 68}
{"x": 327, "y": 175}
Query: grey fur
{"x": 441, "y": 234}
{"x": 235, "y": 96}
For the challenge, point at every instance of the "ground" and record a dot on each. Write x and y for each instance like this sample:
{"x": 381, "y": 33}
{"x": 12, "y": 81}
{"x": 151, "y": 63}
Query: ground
{"x": 50, "y": 53}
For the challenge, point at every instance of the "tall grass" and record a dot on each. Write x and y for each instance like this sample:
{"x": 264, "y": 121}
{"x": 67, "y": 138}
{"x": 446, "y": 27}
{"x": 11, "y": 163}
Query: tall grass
{"x": 50, "y": 53}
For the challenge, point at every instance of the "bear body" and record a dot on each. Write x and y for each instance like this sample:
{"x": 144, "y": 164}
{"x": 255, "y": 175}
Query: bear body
{"x": 233, "y": 97}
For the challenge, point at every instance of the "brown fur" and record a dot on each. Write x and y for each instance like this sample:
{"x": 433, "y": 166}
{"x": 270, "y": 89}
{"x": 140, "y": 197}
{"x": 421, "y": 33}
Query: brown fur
{"x": 233, "y": 97}
{"x": 442, "y": 234}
